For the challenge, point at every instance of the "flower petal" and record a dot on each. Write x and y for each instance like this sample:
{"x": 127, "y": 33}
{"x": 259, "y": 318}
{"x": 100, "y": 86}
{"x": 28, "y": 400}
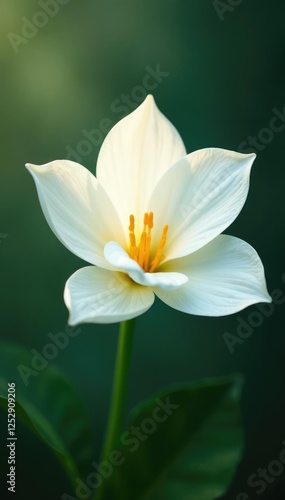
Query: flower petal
{"x": 77, "y": 209}
{"x": 95, "y": 295}
{"x": 225, "y": 276}
{"x": 120, "y": 260}
{"x": 135, "y": 154}
{"x": 199, "y": 197}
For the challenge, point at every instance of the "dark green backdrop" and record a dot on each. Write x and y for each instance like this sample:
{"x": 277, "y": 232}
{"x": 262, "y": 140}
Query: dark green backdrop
{"x": 223, "y": 82}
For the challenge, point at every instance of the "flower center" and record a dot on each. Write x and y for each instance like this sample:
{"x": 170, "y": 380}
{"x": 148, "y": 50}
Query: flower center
{"x": 141, "y": 252}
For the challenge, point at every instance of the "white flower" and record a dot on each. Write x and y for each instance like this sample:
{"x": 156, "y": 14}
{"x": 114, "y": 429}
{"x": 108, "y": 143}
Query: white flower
{"x": 150, "y": 224}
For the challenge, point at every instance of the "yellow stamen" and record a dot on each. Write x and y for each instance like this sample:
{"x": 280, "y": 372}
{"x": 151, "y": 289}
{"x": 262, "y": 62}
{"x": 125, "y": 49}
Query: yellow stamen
{"x": 132, "y": 223}
{"x": 159, "y": 257}
{"x": 150, "y": 220}
{"x": 141, "y": 253}
{"x": 132, "y": 237}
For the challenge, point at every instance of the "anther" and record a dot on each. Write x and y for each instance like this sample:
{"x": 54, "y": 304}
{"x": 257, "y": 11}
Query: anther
{"x": 141, "y": 253}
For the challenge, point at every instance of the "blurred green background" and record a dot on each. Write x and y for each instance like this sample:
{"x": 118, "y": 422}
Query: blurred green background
{"x": 224, "y": 75}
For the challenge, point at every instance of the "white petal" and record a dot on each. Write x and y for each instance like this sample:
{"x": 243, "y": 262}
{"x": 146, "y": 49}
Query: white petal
{"x": 77, "y": 209}
{"x": 135, "y": 154}
{"x": 120, "y": 260}
{"x": 199, "y": 197}
{"x": 95, "y": 295}
{"x": 224, "y": 277}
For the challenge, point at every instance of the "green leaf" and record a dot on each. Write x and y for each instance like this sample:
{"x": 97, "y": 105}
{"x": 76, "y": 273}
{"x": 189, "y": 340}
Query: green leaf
{"x": 191, "y": 455}
{"x": 49, "y": 406}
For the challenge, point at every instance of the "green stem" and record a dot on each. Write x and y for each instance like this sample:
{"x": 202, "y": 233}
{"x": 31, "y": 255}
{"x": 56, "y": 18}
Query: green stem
{"x": 119, "y": 392}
